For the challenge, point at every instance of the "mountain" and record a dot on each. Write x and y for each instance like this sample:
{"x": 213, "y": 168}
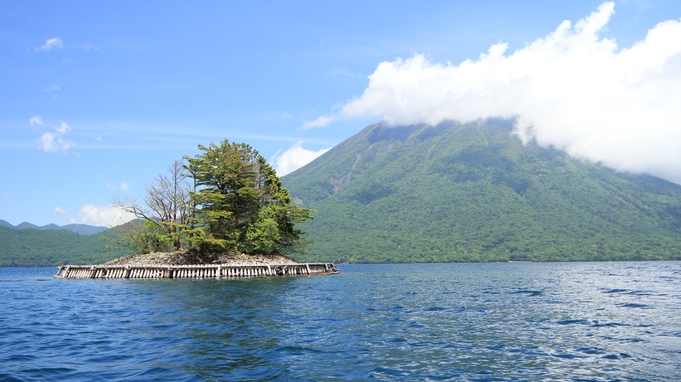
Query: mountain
{"x": 33, "y": 247}
{"x": 473, "y": 192}
{"x": 77, "y": 228}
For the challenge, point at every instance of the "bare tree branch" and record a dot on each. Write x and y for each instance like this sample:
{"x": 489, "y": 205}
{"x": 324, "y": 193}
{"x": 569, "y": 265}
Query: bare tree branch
{"x": 167, "y": 202}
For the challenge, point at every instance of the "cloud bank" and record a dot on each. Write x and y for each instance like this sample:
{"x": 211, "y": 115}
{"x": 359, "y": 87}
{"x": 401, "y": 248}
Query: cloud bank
{"x": 571, "y": 89}
{"x": 294, "y": 158}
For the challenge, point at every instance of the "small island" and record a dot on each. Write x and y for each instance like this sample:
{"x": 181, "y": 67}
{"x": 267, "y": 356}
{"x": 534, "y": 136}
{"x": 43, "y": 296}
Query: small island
{"x": 222, "y": 213}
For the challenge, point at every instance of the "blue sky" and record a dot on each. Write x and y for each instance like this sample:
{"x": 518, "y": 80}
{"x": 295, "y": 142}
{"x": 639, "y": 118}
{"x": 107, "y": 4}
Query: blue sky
{"x": 96, "y": 98}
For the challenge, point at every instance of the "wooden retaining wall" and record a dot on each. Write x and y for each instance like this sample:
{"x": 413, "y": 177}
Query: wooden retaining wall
{"x": 191, "y": 271}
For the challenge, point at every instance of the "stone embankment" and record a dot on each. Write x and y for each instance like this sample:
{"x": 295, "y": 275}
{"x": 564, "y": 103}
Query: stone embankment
{"x": 187, "y": 258}
{"x": 187, "y": 265}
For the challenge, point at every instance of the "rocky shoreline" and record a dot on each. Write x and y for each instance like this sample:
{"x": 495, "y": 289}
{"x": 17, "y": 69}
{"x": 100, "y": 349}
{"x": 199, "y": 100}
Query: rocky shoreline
{"x": 188, "y": 258}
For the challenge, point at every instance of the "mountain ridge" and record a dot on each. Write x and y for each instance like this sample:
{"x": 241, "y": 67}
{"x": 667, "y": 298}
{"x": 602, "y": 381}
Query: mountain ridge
{"x": 474, "y": 192}
{"x": 83, "y": 229}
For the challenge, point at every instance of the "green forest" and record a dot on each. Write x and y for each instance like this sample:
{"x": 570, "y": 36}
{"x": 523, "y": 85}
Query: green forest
{"x": 39, "y": 248}
{"x": 475, "y": 193}
{"x": 447, "y": 193}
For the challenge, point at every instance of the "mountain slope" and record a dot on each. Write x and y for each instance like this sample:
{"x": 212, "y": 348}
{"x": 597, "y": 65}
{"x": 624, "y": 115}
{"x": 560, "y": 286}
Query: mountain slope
{"x": 474, "y": 192}
{"x": 32, "y": 247}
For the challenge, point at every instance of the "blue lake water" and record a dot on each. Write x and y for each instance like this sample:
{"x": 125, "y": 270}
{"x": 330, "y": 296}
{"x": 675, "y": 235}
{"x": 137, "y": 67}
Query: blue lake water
{"x": 485, "y": 322}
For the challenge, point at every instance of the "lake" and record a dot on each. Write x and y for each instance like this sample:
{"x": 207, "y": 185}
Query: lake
{"x": 482, "y": 322}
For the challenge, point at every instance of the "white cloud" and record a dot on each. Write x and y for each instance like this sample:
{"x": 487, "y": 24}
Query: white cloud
{"x": 107, "y": 216}
{"x": 125, "y": 186}
{"x": 294, "y": 158}
{"x": 36, "y": 120}
{"x": 51, "y": 88}
{"x": 61, "y": 211}
{"x": 63, "y": 128}
{"x": 575, "y": 90}
{"x": 55, "y": 142}
{"x": 52, "y": 142}
{"x": 344, "y": 72}
{"x": 319, "y": 122}
{"x": 50, "y": 44}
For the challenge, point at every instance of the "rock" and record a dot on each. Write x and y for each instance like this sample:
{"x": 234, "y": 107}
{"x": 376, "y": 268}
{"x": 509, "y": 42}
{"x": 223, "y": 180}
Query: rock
{"x": 187, "y": 258}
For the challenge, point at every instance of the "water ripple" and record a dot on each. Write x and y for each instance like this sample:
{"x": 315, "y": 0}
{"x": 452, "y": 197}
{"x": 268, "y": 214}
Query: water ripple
{"x": 521, "y": 321}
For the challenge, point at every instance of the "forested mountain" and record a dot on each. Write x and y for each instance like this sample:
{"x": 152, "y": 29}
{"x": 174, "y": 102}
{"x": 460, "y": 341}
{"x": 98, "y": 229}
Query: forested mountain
{"x": 77, "y": 228}
{"x": 474, "y": 192}
{"x": 445, "y": 193}
{"x": 32, "y": 247}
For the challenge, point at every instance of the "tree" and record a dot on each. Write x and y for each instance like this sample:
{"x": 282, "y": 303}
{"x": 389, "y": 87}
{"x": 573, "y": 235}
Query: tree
{"x": 240, "y": 202}
{"x": 227, "y": 198}
{"x": 165, "y": 210}
{"x": 141, "y": 235}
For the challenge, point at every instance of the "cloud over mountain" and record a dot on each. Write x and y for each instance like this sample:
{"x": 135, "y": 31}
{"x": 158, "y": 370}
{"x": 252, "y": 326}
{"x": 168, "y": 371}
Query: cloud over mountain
{"x": 294, "y": 158}
{"x": 571, "y": 89}
{"x": 107, "y": 216}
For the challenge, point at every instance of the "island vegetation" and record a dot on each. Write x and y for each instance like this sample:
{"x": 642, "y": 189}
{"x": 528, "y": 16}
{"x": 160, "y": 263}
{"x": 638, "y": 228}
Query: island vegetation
{"x": 227, "y": 199}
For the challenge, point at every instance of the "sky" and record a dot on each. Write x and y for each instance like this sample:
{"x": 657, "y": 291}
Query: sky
{"x": 97, "y": 98}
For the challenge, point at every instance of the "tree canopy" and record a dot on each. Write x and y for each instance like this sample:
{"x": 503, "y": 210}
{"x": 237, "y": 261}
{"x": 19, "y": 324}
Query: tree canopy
{"x": 227, "y": 198}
